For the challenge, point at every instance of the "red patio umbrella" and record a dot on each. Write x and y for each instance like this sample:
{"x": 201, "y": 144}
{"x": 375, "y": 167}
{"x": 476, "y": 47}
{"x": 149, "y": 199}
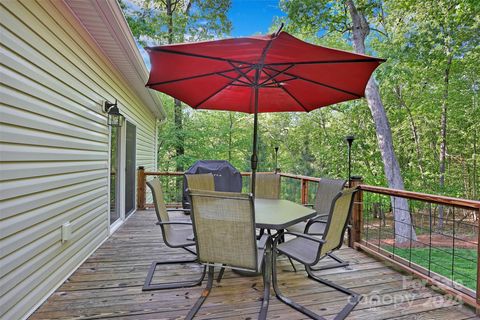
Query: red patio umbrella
{"x": 273, "y": 73}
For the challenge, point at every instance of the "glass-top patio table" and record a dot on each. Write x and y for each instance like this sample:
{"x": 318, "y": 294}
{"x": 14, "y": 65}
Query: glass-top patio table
{"x": 280, "y": 214}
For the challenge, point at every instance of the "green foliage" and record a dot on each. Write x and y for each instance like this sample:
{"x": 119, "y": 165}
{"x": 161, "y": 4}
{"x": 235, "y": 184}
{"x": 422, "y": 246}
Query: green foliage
{"x": 416, "y": 38}
{"x": 192, "y": 20}
{"x": 155, "y": 22}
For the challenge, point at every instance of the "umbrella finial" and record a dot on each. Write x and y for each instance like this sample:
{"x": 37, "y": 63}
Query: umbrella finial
{"x": 278, "y": 31}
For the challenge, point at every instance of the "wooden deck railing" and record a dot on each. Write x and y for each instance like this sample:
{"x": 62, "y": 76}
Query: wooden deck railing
{"x": 360, "y": 234}
{"x": 450, "y": 285}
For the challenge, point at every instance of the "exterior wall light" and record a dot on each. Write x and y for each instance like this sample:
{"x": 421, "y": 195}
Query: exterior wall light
{"x": 115, "y": 118}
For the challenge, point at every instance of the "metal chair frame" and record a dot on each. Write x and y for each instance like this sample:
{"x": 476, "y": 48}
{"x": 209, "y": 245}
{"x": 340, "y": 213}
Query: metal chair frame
{"x": 148, "y": 286}
{"x": 339, "y": 261}
{"x": 354, "y": 298}
{"x": 318, "y": 219}
{"x": 264, "y": 243}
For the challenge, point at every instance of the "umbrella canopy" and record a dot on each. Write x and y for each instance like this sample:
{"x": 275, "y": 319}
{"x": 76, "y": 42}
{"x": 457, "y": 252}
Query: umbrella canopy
{"x": 273, "y": 73}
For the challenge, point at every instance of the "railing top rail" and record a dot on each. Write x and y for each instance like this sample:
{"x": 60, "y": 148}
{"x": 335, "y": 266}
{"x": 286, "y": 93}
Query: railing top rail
{"x": 438, "y": 199}
{"x": 457, "y": 202}
{"x": 300, "y": 177}
{"x": 165, "y": 173}
{"x": 178, "y": 173}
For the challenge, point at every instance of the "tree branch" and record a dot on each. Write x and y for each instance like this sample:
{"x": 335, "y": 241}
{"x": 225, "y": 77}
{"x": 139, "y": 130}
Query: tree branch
{"x": 379, "y": 31}
{"x": 189, "y": 5}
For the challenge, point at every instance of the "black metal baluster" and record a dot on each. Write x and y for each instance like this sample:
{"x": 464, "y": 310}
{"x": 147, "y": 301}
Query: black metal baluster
{"x": 430, "y": 244}
{"x": 368, "y": 222}
{"x": 394, "y": 228}
{"x": 410, "y": 244}
{"x": 379, "y": 223}
{"x": 453, "y": 244}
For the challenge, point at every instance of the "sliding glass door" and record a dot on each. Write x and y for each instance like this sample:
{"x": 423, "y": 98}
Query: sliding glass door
{"x": 130, "y": 155}
{"x": 115, "y": 177}
{"x": 122, "y": 173}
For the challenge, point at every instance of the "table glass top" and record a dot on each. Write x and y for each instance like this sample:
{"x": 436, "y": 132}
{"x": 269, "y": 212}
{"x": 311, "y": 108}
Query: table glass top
{"x": 280, "y": 214}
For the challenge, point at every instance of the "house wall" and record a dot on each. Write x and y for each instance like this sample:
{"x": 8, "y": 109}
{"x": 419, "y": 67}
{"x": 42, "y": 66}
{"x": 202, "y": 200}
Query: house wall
{"x": 54, "y": 144}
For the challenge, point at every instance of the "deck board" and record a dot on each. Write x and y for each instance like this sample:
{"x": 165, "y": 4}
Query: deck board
{"x": 108, "y": 286}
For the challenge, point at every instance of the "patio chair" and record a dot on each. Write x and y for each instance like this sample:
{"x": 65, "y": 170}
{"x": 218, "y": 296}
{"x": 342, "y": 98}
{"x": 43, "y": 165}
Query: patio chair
{"x": 267, "y": 185}
{"x": 173, "y": 238}
{"x": 224, "y": 227}
{"x": 201, "y": 181}
{"x": 308, "y": 250}
{"x": 326, "y": 192}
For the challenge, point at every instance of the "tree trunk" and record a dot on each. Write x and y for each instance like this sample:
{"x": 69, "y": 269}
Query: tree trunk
{"x": 443, "y": 135}
{"x": 178, "y": 114}
{"x": 404, "y": 230}
{"x": 180, "y": 140}
{"x": 230, "y": 133}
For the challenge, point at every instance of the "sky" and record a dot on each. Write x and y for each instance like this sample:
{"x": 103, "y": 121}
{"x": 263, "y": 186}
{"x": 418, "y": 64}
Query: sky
{"x": 251, "y": 17}
{"x": 248, "y": 17}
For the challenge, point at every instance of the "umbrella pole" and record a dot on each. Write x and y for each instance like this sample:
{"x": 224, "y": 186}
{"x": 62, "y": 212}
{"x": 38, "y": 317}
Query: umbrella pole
{"x": 254, "y": 159}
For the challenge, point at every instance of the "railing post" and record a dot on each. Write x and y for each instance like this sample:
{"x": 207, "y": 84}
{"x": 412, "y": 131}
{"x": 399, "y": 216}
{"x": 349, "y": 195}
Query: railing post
{"x": 141, "y": 186}
{"x": 304, "y": 192}
{"x": 355, "y": 234}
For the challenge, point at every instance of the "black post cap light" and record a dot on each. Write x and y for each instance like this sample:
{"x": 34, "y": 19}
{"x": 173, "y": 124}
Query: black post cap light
{"x": 350, "y": 139}
{"x": 115, "y": 118}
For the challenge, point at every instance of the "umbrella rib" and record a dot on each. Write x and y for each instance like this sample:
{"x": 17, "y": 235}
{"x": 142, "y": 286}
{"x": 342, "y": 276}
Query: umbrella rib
{"x": 275, "y": 80}
{"x": 263, "y": 85}
{"x": 293, "y": 97}
{"x": 207, "y": 98}
{"x": 213, "y": 94}
{"x": 278, "y": 84}
{"x": 198, "y": 55}
{"x": 241, "y": 72}
{"x": 247, "y": 84}
{"x": 328, "y": 61}
{"x": 192, "y": 77}
{"x": 324, "y": 85}
{"x": 271, "y": 77}
{"x": 259, "y": 66}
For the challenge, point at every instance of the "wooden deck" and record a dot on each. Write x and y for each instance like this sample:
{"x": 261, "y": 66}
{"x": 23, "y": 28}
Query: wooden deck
{"x": 108, "y": 285}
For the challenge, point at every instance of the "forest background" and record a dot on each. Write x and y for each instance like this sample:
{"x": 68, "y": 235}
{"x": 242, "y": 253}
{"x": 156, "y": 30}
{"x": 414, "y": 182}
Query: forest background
{"x": 428, "y": 85}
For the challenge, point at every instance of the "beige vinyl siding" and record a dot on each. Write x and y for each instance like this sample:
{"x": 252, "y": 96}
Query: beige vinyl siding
{"x": 54, "y": 144}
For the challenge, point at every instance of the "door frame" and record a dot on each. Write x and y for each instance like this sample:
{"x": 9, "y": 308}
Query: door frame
{"x": 120, "y": 178}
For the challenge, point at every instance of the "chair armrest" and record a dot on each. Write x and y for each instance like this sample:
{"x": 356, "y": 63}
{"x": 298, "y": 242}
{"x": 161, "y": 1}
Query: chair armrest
{"x": 173, "y": 223}
{"x": 311, "y": 222}
{"x": 310, "y": 205}
{"x": 305, "y": 236}
{"x": 179, "y": 209}
{"x": 319, "y": 216}
{"x": 262, "y": 243}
